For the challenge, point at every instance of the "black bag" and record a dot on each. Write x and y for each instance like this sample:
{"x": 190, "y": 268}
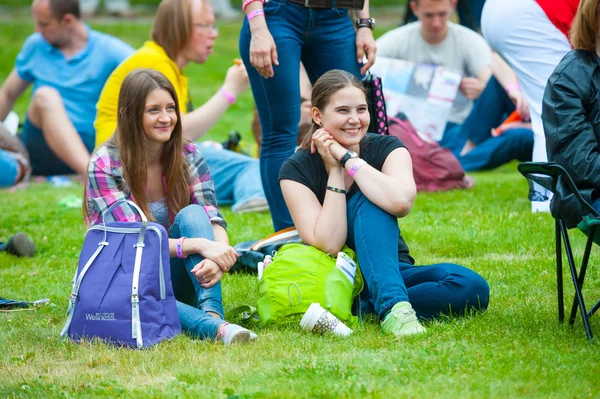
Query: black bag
{"x": 376, "y": 101}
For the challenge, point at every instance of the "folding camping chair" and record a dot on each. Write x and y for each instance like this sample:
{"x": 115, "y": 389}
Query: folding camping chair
{"x": 549, "y": 175}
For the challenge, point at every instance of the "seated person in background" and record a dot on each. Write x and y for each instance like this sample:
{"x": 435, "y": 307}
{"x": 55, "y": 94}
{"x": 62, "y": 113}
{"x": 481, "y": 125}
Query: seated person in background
{"x": 346, "y": 186}
{"x": 68, "y": 63}
{"x": 183, "y": 32}
{"x": 147, "y": 162}
{"x": 571, "y": 106}
{"x": 469, "y": 14}
{"x": 435, "y": 40}
{"x": 478, "y": 144}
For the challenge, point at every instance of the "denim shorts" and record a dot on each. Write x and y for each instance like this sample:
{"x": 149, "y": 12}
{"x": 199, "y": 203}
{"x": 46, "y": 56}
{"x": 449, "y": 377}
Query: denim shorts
{"x": 43, "y": 161}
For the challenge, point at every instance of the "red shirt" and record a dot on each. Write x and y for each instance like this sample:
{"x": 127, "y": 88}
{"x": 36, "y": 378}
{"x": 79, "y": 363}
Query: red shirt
{"x": 560, "y": 13}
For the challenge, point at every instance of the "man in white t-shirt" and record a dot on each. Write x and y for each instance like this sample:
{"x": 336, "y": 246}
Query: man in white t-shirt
{"x": 435, "y": 40}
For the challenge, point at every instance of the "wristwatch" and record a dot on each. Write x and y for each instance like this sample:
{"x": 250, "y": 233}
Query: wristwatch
{"x": 365, "y": 23}
{"x": 347, "y": 156}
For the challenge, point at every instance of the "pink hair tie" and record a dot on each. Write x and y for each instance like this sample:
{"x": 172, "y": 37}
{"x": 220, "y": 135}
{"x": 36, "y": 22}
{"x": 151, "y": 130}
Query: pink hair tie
{"x": 255, "y": 13}
{"x": 230, "y": 97}
{"x": 352, "y": 171}
{"x": 247, "y": 3}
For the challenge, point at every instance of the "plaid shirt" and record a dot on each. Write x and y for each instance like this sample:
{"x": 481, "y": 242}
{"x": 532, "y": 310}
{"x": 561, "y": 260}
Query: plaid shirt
{"x": 106, "y": 186}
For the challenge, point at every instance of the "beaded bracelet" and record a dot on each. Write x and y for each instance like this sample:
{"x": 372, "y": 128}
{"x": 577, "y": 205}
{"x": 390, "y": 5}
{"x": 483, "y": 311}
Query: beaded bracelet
{"x": 352, "y": 171}
{"x": 337, "y": 190}
{"x": 255, "y": 13}
{"x": 179, "y": 248}
{"x": 247, "y": 3}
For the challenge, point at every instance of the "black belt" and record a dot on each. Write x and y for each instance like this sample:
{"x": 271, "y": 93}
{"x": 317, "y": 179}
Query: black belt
{"x": 349, "y": 4}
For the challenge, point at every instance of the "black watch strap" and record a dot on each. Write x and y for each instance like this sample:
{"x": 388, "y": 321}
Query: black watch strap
{"x": 345, "y": 158}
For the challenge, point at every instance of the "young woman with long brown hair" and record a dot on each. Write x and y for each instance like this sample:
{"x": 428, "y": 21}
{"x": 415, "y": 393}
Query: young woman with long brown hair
{"x": 147, "y": 162}
{"x": 347, "y": 186}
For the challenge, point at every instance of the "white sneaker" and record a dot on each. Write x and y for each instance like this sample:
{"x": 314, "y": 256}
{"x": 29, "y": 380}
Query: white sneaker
{"x": 232, "y": 333}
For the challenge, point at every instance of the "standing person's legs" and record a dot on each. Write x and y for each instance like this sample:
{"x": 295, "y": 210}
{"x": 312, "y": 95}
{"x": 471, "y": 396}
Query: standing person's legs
{"x": 330, "y": 44}
{"x": 278, "y": 98}
{"x": 444, "y": 289}
{"x": 47, "y": 115}
{"x": 236, "y": 177}
{"x": 533, "y": 47}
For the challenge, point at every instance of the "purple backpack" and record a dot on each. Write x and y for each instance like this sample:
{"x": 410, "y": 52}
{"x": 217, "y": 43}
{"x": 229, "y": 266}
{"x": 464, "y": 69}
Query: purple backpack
{"x": 122, "y": 289}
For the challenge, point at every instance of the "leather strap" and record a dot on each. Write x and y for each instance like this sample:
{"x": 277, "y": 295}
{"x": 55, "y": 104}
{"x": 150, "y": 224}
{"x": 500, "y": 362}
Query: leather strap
{"x": 349, "y": 4}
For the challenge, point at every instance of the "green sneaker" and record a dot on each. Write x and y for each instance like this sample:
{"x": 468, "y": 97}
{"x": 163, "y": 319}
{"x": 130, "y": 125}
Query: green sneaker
{"x": 401, "y": 321}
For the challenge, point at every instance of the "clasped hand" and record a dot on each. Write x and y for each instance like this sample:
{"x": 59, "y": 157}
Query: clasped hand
{"x": 330, "y": 150}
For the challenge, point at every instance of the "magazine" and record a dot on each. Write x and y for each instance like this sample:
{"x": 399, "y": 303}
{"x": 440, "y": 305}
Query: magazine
{"x": 424, "y": 92}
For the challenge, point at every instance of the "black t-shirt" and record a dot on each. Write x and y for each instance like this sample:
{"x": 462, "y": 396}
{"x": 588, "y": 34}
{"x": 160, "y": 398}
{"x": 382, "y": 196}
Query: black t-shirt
{"x": 308, "y": 169}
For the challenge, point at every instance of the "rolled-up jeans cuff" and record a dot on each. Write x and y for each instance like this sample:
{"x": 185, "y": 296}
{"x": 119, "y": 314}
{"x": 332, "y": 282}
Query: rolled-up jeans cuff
{"x": 213, "y": 307}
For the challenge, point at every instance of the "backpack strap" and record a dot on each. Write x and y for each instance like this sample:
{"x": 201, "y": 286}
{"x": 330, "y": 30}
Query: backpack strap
{"x": 77, "y": 283}
{"x": 134, "y": 206}
{"x": 136, "y": 325}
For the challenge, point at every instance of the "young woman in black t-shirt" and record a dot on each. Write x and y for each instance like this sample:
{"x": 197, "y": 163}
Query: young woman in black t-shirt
{"x": 345, "y": 186}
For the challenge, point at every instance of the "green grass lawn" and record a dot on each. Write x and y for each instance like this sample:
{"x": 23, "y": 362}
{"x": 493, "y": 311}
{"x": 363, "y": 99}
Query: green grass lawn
{"x": 515, "y": 349}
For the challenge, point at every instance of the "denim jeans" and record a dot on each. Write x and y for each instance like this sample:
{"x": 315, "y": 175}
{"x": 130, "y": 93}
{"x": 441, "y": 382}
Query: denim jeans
{"x": 193, "y": 300}
{"x": 236, "y": 176}
{"x": 432, "y": 290}
{"x": 9, "y": 169}
{"x": 322, "y": 39}
{"x": 489, "y": 111}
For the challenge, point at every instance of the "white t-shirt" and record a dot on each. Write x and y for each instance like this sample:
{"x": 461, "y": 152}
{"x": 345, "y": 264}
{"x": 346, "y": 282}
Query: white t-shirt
{"x": 463, "y": 50}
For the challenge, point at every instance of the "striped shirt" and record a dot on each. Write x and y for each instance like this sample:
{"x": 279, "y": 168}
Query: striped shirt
{"x": 106, "y": 185}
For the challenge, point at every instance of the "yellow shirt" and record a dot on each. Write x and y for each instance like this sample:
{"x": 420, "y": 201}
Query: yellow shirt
{"x": 150, "y": 55}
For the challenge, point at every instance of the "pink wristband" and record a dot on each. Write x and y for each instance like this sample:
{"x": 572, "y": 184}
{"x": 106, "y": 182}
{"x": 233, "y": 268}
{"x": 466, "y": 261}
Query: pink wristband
{"x": 179, "y": 248}
{"x": 247, "y": 3}
{"x": 513, "y": 86}
{"x": 352, "y": 171}
{"x": 230, "y": 97}
{"x": 255, "y": 13}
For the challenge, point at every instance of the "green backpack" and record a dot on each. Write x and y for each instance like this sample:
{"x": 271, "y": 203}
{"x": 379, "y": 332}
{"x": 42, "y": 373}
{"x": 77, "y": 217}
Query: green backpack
{"x": 300, "y": 275}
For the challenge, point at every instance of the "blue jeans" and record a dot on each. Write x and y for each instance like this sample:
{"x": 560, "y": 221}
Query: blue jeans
{"x": 43, "y": 161}
{"x": 236, "y": 176}
{"x": 193, "y": 300}
{"x": 322, "y": 39}
{"x": 9, "y": 169}
{"x": 433, "y": 290}
{"x": 489, "y": 111}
